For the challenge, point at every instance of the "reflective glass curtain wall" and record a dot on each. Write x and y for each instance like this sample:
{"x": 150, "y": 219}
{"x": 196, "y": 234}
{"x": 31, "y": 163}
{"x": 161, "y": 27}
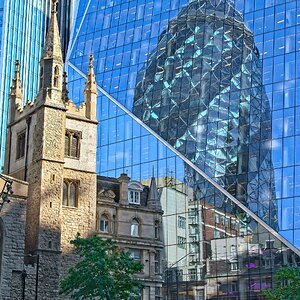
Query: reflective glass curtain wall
{"x": 204, "y": 94}
{"x": 23, "y": 33}
{"x": 66, "y": 12}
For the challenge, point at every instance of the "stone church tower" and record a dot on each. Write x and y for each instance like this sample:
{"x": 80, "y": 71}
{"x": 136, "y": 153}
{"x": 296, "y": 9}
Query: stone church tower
{"x": 51, "y": 144}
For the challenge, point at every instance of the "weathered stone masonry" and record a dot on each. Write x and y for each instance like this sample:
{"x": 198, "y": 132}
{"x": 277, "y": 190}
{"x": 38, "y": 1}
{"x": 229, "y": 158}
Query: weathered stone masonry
{"x": 47, "y": 226}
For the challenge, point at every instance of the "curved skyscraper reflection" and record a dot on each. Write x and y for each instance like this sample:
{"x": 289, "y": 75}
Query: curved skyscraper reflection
{"x": 201, "y": 90}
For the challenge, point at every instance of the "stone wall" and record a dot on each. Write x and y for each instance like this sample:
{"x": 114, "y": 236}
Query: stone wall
{"x": 88, "y": 144}
{"x": 80, "y": 219}
{"x": 12, "y": 242}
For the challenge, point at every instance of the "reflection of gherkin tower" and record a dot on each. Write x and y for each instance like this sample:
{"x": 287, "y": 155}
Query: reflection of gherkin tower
{"x": 201, "y": 90}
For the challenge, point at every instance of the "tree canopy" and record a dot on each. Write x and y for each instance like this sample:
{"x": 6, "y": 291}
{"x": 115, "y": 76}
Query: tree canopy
{"x": 287, "y": 285}
{"x": 104, "y": 272}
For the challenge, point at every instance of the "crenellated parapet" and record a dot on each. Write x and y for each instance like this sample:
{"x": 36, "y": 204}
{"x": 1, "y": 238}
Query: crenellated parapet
{"x": 74, "y": 110}
{"x": 24, "y": 110}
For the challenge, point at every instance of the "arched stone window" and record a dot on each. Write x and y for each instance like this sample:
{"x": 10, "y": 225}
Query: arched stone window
{"x": 56, "y": 76}
{"x": 104, "y": 223}
{"x": 135, "y": 227}
{"x": 70, "y": 193}
{"x": 72, "y": 143}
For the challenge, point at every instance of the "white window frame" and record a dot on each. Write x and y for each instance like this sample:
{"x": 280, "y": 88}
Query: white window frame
{"x": 134, "y": 196}
{"x": 135, "y": 227}
{"x": 134, "y": 192}
{"x": 105, "y": 223}
{"x": 234, "y": 266}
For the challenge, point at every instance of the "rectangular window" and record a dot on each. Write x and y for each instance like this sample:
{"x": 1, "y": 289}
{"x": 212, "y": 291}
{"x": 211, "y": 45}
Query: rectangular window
{"x": 135, "y": 254}
{"x": 234, "y": 266}
{"x": 104, "y": 223}
{"x": 224, "y": 221}
{"x": 157, "y": 262}
{"x": 217, "y": 219}
{"x": 72, "y": 143}
{"x": 70, "y": 193}
{"x": 21, "y": 145}
{"x": 233, "y": 224}
{"x": 193, "y": 229}
{"x": 270, "y": 244}
{"x": 156, "y": 230}
{"x": 194, "y": 247}
{"x": 181, "y": 242}
{"x": 192, "y": 259}
{"x": 200, "y": 295}
{"x": 193, "y": 212}
{"x": 217, "y": 234}
{"x": 193, "y": 274}
{"x": 134, "y": 197}
{"x": 158, "y": 293}
{"x": 269, "y": 263}
{"x": 181, "y": 223}
{"x": 233, "y": 287}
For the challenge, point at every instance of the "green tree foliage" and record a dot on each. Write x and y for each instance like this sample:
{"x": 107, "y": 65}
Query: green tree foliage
{"x": 104, "y": 272}
{"x": 287, "y": 285}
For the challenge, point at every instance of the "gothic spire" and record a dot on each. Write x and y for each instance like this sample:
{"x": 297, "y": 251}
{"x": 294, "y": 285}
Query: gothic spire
{"x": 51, "y": 64}
{"x": 90, "y": 85}
{"x": 153, "y": 196}
{"x": 16, "y": 90}
{"x": 90, "y": 92}
{"x": 15, "y": 94}
{"x": 52, "y": 48}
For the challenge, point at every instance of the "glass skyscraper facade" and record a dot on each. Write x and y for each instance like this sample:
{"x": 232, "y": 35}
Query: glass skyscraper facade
{"x": 202, "y": 94}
